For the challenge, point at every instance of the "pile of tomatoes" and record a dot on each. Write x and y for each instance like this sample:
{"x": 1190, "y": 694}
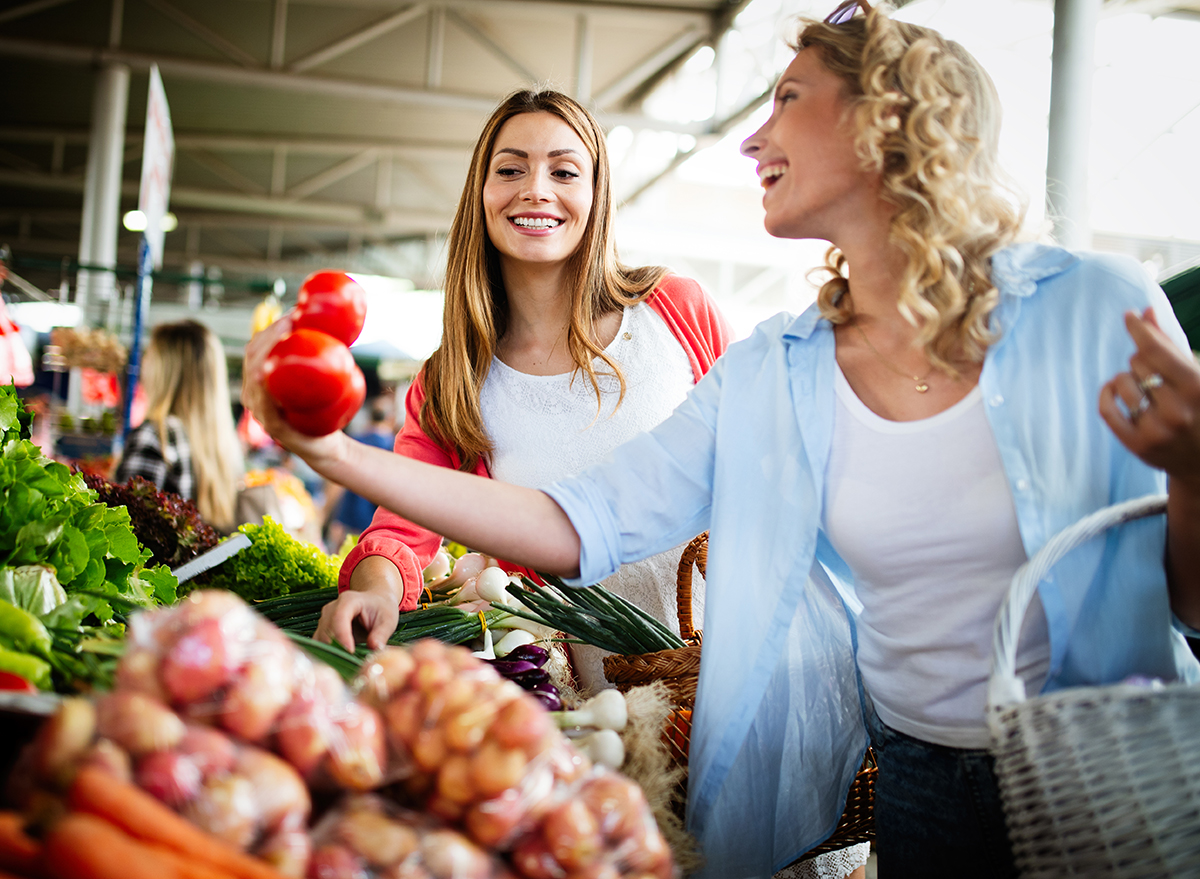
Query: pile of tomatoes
{"x": 310, "y": 373}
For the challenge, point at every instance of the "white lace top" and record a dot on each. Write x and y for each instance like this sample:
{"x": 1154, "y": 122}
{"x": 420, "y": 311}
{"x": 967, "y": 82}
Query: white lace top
{"x": 546, "y": 427}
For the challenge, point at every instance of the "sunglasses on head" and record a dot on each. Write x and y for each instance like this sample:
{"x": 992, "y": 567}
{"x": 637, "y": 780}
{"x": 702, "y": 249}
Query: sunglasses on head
{"x": 845, "y": 11}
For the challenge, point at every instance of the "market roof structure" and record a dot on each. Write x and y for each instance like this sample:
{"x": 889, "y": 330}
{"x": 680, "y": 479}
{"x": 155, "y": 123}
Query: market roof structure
{"x": 305, "y": 127}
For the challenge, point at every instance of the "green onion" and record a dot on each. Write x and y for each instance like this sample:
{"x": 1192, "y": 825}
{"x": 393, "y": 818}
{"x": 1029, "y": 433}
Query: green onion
{"x": 592, "y": 615}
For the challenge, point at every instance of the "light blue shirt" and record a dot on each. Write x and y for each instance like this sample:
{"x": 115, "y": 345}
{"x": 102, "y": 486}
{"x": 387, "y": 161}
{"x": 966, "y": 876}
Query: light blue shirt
{"x": 778, "y": 733}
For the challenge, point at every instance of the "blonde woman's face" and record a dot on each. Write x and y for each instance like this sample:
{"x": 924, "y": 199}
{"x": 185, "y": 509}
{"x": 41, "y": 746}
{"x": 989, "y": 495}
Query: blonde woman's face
{"x": 814, "y": 184}
{"x": 538, "y": 193}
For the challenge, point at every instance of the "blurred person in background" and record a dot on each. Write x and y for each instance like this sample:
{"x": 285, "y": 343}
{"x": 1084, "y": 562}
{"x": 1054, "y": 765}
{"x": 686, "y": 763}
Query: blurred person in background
{"x": 187, "y": 444}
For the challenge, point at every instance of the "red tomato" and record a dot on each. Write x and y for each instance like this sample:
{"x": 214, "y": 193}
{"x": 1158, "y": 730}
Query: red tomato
{"x": 308, "y": 370}
{"x": 333, "y": 303}
{"x": 15, "y": 683}
{"x": 335, "y": 416}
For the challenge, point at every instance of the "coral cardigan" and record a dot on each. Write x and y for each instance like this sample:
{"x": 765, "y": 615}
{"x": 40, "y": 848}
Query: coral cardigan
{"x": 693, "y": 319}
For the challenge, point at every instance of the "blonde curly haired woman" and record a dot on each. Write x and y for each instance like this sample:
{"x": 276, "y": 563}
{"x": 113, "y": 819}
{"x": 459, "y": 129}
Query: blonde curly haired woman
{"x": 874, "y": 471}
{"x": 188, "y": 443}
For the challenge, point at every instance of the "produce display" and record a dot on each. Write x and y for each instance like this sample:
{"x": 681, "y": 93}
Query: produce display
{"x": 310, "y": 373}
{"x": 210, "y": 737}
{"x": 166, "y": 524}
{"x": 367, "y": 837}
{"x": 70, "y": 567}
{"x": 275, "y": 564}
{"x": 222, "y": 723}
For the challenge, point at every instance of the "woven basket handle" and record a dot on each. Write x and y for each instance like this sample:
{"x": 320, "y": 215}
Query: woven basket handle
{"x": 695, "y": 553}
{"x": 1004, "y": 687}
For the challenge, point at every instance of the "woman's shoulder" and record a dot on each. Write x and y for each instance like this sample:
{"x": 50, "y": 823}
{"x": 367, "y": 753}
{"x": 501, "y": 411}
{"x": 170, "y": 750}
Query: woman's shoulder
{"x": 1031, "y": 268}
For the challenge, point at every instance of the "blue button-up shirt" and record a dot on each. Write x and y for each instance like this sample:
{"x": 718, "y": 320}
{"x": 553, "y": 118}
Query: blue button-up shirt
{"x": 778, "y": 733}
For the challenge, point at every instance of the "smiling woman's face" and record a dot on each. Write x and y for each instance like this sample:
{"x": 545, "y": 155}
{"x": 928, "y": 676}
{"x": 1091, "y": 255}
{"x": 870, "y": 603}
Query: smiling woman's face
{"x": 537, "y": 196}
{"x": 813, "y": 179}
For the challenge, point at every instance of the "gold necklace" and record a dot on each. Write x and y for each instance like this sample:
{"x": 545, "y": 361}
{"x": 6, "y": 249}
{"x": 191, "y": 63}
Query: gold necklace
{"x": 922, "y": 383}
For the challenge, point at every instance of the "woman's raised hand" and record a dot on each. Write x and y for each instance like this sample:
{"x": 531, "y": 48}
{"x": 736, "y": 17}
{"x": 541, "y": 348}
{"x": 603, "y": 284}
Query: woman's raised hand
{"x": 1160, "y": 422}
{"x": 314, "y": 450}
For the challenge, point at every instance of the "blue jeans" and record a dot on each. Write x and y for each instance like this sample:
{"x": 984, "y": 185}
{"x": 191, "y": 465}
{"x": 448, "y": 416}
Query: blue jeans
{"x": 937, "y": 810}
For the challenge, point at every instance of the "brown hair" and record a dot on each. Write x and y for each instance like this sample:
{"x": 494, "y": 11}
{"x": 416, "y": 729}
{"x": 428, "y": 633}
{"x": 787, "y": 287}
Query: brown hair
{"x": 928, "y": 119}
{"x": 476, "y": 306}
{"x": 184, "y": 375}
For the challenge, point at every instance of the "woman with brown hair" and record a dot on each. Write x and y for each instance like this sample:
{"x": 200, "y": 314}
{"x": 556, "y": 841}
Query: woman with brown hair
{"x": 188, "y": 443}
{"x": 553, "y": 352}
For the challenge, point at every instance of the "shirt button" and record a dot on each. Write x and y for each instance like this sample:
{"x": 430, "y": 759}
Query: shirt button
{"x": 1022, "y": 485}
{"x": 997, "y": 400}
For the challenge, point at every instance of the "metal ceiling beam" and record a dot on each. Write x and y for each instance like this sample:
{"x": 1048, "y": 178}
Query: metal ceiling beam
{"x": 223, "y": 170}
{"x": 206, "y": 71}
{"x": 331, "y": 214}
{"x": 28, "y": 9}
{"x": 330, "y": 176}
{"x": 352, "y": 41}
{"x": 474, "y": 32}
{"x": 697, "y": 13}
{"x": 279, "y": 16}
{"x": 688, "y": 40}
{"x": 185, "y": 140}
{"x": 203, "y": 32}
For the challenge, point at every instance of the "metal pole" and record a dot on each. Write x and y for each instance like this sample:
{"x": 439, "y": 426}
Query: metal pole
{"x": 1070, "y": 121}
{"x": 141, "y": 305}
{"x": 101, "y": 197}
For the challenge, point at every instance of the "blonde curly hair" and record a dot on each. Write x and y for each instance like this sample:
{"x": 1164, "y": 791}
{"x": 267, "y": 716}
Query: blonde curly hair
{"x": 928, "y": 120}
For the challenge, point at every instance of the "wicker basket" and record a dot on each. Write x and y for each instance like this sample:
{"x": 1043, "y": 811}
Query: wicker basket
{"x": 1095, "y": 781}
{"x": 680, "y": 670}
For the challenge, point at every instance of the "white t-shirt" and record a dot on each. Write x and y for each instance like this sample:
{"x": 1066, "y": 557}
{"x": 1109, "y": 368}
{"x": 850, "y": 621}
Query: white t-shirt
{"x": 546, "y": 427}
{"x": 922, "y": 513}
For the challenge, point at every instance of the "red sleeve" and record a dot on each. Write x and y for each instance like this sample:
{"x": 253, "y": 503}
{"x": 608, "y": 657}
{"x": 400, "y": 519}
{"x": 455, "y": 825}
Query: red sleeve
{"x": 407, "y": 545}
{"x": 694, "y": 319}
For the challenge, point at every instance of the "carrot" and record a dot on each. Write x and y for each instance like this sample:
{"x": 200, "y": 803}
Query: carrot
{"x": 86, "y": 847}
{"x": 143, "y": 817}
{"x": 18, "y": 850}
{"x": 189, "y": 868}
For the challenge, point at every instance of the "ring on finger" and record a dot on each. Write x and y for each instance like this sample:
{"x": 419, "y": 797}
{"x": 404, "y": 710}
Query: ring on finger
{"x": 1151, "y": 382}
{"x": 1140, "y": 409}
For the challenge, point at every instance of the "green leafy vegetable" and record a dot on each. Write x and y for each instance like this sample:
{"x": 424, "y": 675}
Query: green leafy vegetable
{"x": 274, "y": 564}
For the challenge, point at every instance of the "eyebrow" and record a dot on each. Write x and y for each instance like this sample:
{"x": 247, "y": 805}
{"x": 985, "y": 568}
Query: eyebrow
{"x": 524, "y": 155}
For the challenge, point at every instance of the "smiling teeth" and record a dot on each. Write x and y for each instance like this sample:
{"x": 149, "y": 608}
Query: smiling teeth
{"x": 771, "y": 172}
{"x": 537, "y": 222}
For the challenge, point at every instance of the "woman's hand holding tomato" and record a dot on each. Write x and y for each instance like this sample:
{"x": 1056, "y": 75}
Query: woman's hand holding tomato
{"x": 314, "y": 450}
{"x": 309, "y": 372}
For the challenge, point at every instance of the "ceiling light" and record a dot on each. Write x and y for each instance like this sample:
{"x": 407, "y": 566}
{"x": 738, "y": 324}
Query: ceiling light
{"x": 134, "y": 221}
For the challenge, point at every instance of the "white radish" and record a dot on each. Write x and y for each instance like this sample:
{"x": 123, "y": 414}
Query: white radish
{"x": 438, "y": 568}
{"x": 513, "y": 639}
{"x": 491, "y": 583}
{"x": 603, "y": 746}
{"x": 466, "y": 593}
{"x": 605, "y": 710}
{"x": 466, "y": 568}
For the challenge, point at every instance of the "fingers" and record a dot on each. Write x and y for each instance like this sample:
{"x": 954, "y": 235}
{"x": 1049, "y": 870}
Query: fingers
{"x": 337, "y": 619}
{"x": 1156, "y": 354}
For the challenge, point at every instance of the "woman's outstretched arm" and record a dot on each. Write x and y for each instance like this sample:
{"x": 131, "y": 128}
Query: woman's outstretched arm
{"x": 520, "y": 524}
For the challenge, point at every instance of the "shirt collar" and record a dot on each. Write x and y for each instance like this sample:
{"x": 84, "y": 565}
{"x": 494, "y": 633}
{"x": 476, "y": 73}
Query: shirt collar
{"x": 1016, "y": 270}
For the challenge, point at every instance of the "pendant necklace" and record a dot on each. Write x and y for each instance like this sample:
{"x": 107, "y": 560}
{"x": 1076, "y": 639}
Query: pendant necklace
{"x": 922, "y": 381}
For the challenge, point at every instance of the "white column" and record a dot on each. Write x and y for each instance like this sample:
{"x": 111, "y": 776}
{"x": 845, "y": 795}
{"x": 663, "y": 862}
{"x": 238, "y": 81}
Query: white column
{"x": 1070, "y": 120}
{"x": 102, "y": 194}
